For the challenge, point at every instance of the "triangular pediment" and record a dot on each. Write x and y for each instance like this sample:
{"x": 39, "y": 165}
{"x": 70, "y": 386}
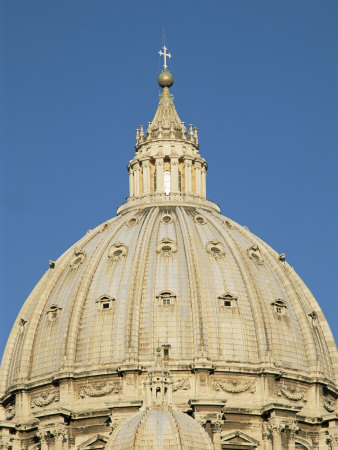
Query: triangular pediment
{"x": 95, "y": 442}
{"x": 238, "y": 439}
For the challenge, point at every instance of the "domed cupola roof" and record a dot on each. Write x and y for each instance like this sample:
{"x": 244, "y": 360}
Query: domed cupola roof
{"x": 160, "y": 428}
{"x": 159, "y": 425}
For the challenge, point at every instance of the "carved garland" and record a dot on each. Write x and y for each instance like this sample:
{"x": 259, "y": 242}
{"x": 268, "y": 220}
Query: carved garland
{"x": 45, "y": 399}
{"x": 291, "y": 393}
{"x": 182, "y": 383}
{"x": 100, "y": 389}
{"x": 234, "y": 386}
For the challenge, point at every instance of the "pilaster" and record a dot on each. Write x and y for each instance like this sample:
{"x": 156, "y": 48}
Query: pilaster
{"x": 198, "y": 177}
{"x": 159, "y": 175}
{"x": 146, "y": 176}
{"x": 187, "y": 175}
{"x": 174, "y": 175}
{"x": 137, "y": 179}
{"x": 203, "y": 181}
{"x": 131, "y": 182}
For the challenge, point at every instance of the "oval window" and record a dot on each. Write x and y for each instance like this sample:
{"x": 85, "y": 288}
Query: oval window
{"x": 166, "y": 219}
{"x": 166, "y": 248}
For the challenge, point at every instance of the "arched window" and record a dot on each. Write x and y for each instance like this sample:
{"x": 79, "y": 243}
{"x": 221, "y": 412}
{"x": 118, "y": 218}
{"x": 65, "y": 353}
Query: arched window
{"x": 167, "y": 182}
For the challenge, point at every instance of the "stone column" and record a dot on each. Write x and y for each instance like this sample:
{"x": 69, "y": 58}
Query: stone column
{"x": 16, "y": 444}
{"x": 292, "y": 429}
{"x": 131, "y": 181}
{"x": 43, "y": 440}
{"x": 216, "y": 436}
{"x": 187, "y": 175}
{"x": 266, "y": 437}
{"x": 332, "y": 441}
{"x": 174, "y": 175}
{"x": 159, "y": 175}
{"x": 136, "y": 168}
{"x": 198, "y": 178}
{"x": 59, "y": 436}
{"x": 203, "y": 181}
{"x": 146, "y": 176}
{"x": 276, "y": 428}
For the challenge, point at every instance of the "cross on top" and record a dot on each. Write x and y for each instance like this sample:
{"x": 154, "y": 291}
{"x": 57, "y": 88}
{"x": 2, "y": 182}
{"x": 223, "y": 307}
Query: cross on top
{"x": 165, "y": 55}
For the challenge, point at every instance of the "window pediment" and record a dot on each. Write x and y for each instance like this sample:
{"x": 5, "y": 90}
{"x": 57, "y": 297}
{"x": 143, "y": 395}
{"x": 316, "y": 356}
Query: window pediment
{"x": 105, "y": 301}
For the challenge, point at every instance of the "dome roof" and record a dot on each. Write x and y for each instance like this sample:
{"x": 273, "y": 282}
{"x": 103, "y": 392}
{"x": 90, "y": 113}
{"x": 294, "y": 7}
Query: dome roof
{"x": 160, "y": 427}
{"x": 180, "y": 275}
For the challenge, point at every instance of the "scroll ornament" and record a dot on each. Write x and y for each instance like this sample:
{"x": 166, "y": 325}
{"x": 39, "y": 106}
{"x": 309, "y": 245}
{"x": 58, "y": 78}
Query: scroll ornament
{"x": 10, "y": 412}
{"x": 329, "y": 403}
{"x": 45, "y": 399}
{"x": 234, "y": 386}
{"x": 99, "y": 389}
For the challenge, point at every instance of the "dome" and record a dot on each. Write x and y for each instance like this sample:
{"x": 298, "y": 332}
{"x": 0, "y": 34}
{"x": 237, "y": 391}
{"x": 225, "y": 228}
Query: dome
{"x": 243, "y": 347}
{"x": 184, "y": 276}
{"x": 161, "y": 428}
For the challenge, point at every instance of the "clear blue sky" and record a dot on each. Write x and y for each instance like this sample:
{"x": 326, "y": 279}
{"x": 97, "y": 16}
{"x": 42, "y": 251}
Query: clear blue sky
{"x": 259, "y": 79}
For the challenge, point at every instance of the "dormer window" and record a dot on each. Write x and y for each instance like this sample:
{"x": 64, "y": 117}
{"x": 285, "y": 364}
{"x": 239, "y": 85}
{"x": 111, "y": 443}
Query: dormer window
{"x": 105, "y": 302}
{"x": 53, "y": 312}
{"x": 166, "y": 298}
{"x": 227, "y": 300}
{"x": 280, "y": 306}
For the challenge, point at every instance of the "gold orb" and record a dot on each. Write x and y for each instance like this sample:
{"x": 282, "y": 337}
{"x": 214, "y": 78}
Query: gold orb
{"x": 165, "y": 78}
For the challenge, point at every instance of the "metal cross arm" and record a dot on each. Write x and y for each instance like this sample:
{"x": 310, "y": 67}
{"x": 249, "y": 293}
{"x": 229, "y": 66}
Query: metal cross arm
{"x": 165, "y": 55}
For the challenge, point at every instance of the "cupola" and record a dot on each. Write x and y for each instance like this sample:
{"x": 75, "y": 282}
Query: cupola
{"x": 167, "y": 165}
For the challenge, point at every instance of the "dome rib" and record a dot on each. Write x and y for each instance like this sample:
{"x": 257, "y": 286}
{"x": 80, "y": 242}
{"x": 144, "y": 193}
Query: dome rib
{"x": 135, "y": 292}
{"x": 262, "y": 338}
{"x": 199, "y": 340}
{"x": 80, "y": 299}
{"x": 298, "y": 308}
